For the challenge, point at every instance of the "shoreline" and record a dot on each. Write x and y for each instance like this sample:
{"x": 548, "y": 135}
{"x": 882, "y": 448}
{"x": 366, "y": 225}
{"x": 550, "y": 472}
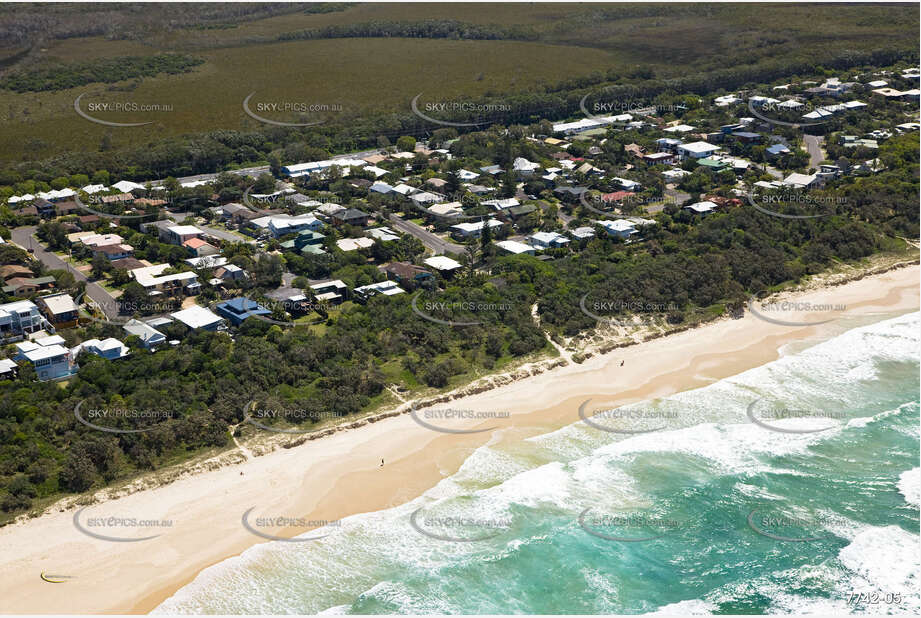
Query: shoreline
{"x": 339, "y": 474}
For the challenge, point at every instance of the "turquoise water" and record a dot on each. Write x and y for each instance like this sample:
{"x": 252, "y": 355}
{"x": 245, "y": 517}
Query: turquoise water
{"x": 688, "y": 489}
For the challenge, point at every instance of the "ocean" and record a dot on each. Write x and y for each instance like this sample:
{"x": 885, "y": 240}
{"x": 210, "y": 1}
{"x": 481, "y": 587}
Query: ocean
{"x": 789, "y": 488}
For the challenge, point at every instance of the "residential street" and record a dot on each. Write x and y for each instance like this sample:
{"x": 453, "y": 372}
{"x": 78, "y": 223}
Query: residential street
{"x": 813, "y": 145}
{"x": 104, "y": 300}
{"x": 428, "y": 239}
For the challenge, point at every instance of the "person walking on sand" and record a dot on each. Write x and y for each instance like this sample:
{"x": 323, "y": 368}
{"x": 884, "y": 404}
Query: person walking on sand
{"x": 621, "y": 363}
{"x": 382, "y": 462}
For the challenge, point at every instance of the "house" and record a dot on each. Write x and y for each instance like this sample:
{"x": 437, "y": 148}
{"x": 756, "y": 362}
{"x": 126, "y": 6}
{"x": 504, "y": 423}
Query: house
{"x": 502, "y": 204}
{"x": 9, "y": 271}
{"x": 351, "y": 216}
{"x": 628, "y": 185}
{"x": 200, "y": 248}
{"x": 519, "y": 211}
{"x": 50, "y": 359}
{"x": 800, "y": 181}
{"x": 701, "y": 208}
{"x": 381, "y": 187}
{"x": 21, "y": 317}
{"x": 227, "y": 272}
{"x": 448, "y": 209}
{"x": 467, "y": 175}
{"x": 387, "y": 288}
{"x": 547, "y": 240}
{"x": 515, "y": 248}
{"x": 582, "y": 233}
{"x": 427, "y": 197}
{"x": 318, "y": 167}
{"x": 621, "y": 228}
{"x": 659, "y": 158}
{"x": 437, "y": 183}
{"x": 26, "y": 286}
{"x": 307, "y": 242}
{"x": 238, "y": 309}
{"x": 333, "y": 292}
{"x": 696, "y": 150}
{"x": 403, "y": 272}
{"x": 178, "y": 234}
{"x": 471, "y": 229}
{"x": 442, "y": 264}
{"x": 152, "y": 279}
{"x": 110, "y": 349}
{"x": 150, "y": 337}
{"x": 524, "y": 167}
{"x": 717, "y": 165}
{"x": 679, "y": 128}
{"x": 119, "y": 251}
{"x": 197, "y": 317}
{"x": 59, "y": 309}
{"x": 205, "y": 261}
{"x": 282, "y": 224}
{"x": 8, "y": 369}
{"x": 777, "y": 150}
{"x": 118, "y": 198}
{"x": 382, "y": 234}
{"x": 570, "y": 193}
{"x": 126, "y": 186}
{"x": 747, "y": 137}
{"x": 668, "y": 144}
{"x": 353, "y": 244}
{"x": 616, "y": 197}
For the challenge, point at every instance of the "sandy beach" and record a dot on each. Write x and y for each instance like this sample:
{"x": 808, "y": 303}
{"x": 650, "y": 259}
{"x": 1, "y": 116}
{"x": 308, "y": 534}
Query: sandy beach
{"x": 341, "y": 475}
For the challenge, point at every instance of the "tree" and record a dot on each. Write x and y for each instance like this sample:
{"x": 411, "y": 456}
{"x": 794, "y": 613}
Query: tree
{"x": 406, "y": 143}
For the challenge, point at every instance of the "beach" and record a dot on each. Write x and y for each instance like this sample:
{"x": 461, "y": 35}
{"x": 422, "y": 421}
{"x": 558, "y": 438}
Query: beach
{"x": 341, "y": 474}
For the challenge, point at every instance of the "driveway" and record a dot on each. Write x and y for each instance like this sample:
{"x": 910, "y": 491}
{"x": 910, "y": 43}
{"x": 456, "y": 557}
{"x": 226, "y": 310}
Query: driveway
{"x": 22, "y": 236}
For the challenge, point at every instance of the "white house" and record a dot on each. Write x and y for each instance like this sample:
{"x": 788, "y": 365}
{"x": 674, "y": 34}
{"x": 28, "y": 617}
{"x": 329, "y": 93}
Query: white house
{"x": 800, "y": 181}
{"x": 547, "y": 240}
{"x": 110, "y": 348}
{"x": 196, "y": 317}
{"x": 524, "y": 167}
{"x": 49, "y": 358}
{"x": 442, "y": 263}
{"x": 696, "y": 150}
{"x": 502, "y": 204}
{"x": 150, "y": 337}
{"x": 387, "y": 288}
{"x": 514, "y": 247}
{"x": 702, "y": 208}
{"x": 472, "y": 229}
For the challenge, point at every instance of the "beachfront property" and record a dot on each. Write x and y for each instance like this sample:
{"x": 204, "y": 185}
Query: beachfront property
{"x": 150, "y": 337}
{"x": 109, "y": 349}
{"x": 21, "y": 318}
{"x": 48, "y": 356}
{"x": 403, "y": 272}
{"x": 198, "y": 317}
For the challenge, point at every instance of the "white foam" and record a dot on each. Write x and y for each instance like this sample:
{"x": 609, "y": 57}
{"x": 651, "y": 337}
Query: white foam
{"x": 886, "y": 559}
{"x": 692, "y": 607}
{"x": 910, "y": 486}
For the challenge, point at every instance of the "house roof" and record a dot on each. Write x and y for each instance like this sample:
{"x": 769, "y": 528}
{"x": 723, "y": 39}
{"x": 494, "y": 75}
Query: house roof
{"x": 59, "y": 303}
{"x": 196, "y": 317}
{"x": 441, "y": 262}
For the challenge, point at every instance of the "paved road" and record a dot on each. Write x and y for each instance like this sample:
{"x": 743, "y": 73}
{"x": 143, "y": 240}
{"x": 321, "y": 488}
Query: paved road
{"x": 430, "y": 240}
{"x": 22, "y": 235}
{"x": 813, "y": 145}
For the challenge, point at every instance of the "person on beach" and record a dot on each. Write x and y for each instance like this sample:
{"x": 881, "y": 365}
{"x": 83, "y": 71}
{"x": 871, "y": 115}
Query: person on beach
{"x": 621, "y": 363}
{"x": 382, "y": 462}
